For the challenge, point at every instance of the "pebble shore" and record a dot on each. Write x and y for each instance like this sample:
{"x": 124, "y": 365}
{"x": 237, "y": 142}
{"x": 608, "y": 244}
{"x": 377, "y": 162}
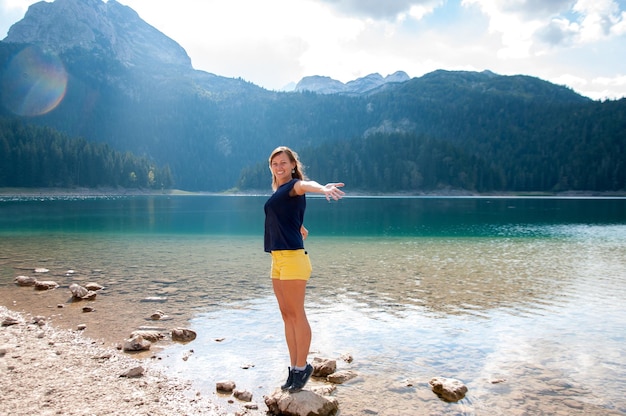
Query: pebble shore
{"x": 48, "y": 371}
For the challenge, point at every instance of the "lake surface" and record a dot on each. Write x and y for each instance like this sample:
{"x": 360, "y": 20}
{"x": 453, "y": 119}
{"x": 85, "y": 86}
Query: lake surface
{"x": 522, "y": 299}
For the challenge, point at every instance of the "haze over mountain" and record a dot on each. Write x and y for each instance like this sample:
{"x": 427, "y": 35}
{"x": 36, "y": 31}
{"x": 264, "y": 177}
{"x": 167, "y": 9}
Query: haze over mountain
{"x": 120, "y": 81}
{"x": 109, "y": 29}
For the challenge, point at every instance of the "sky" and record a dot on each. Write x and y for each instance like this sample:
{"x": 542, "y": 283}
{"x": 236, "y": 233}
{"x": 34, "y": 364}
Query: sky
{"x": 275, "y": 43}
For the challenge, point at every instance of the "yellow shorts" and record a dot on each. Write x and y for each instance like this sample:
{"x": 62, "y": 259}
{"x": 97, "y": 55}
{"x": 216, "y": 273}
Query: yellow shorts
{"x": 291, "y": 265}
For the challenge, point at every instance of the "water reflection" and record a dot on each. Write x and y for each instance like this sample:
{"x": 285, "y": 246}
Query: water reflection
{"x": 445, "y": 276}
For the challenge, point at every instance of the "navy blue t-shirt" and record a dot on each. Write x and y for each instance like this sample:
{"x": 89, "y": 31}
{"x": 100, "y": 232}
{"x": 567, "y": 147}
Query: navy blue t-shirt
{"x": 284, "y": 215}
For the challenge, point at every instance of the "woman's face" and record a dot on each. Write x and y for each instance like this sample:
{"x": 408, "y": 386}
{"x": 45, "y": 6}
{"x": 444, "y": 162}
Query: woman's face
{"x": 281, "y": 168}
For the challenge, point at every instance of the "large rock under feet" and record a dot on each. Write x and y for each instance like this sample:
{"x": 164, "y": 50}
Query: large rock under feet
{"x": 303, "y": 403}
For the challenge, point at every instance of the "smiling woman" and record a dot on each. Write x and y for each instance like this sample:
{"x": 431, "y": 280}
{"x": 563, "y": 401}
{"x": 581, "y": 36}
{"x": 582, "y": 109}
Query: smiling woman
{"x": 291, "y": 266}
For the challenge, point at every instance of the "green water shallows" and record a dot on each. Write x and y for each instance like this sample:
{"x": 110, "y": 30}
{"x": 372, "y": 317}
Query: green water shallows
{"x": 526, "y": 290}
{"x": 360, "y": 216}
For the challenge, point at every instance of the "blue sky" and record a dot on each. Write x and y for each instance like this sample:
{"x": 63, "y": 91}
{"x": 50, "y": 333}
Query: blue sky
{"x": 272, "y": 43}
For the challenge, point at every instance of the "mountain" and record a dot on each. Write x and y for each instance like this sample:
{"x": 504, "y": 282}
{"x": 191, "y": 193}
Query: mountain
{"x": 95, "y": 70}
{"x": 327, "y": 85}
{"x": 107, "y": 29}
{"x": 121, "y": 48}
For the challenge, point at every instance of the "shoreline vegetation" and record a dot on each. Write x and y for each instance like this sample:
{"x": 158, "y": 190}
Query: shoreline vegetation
{"x": 110, "y": 192}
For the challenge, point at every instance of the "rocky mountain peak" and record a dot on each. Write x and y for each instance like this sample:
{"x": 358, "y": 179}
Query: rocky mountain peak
{"x": 327, "y": 85}
{"x": 101, "y": 28}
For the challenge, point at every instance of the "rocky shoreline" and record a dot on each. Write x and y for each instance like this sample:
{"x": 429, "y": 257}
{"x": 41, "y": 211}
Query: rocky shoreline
{"x": 47, "y": 371}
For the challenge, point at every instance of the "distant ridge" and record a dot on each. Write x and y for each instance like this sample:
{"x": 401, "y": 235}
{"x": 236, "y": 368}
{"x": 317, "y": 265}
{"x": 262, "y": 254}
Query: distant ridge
{"x": 327, "y": 85}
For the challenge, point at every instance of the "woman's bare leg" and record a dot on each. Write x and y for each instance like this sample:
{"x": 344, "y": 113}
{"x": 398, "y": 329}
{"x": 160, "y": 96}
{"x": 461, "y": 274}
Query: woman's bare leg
{"x": 290, "y": 295}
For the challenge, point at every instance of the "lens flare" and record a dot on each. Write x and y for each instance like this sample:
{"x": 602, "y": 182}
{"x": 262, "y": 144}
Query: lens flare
{"x": 34, "y": 82}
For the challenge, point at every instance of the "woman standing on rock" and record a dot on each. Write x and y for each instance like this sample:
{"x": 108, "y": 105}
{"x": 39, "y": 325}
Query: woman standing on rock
{"x": 291, "y": 266}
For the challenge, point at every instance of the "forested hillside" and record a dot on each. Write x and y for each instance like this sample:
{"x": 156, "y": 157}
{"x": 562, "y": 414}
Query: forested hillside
{"x": 33, "y": 156}
{"x": 473, "y": 131}
{"x": 461, "y": 137}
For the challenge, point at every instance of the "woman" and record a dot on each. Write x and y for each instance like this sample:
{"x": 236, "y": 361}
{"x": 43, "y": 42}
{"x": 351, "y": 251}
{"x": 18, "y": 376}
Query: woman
{"x": 291, "y": 267}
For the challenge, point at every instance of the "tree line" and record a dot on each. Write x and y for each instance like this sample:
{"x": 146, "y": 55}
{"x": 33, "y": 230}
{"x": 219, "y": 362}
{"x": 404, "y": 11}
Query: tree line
{"x": 571, "y": 148}
{"x": 35, "y": 156}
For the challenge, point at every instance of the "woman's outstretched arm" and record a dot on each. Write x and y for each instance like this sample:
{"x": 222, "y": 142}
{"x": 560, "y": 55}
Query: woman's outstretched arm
{"x": 330, "y": 190}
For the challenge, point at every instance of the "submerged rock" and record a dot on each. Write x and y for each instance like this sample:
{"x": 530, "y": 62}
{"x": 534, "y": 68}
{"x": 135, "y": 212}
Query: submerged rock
{"x": 155, "y": 299}
{"x": 183, "y": 335}
{"x": 94, "y": 286}
{"x": 79, "y": 292}
{"x": 243, "y": 395}
{"x": 448, "y": 389}
{"x": 45, "y": 285}
{"x": 157, "y": 315}
{"x": 225, "y": 386}
{"x": 323, "y": 367}
{"x": 25, "y": 281}
{"x": 341, "y": 376}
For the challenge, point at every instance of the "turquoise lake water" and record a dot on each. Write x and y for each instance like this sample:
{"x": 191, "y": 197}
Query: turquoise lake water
{"x": 522, "y": 299}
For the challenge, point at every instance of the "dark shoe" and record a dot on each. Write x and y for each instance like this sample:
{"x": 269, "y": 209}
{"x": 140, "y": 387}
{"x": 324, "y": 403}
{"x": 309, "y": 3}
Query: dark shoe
{"x": 289, "y": 381}
{"x": 300, "y": 378}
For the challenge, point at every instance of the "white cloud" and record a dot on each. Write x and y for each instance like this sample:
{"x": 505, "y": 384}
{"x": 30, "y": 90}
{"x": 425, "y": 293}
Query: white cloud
{"x": 275, "y": 42}
{"x": 609, "y": 87}
{"x": 10, "y": 12}
{"x": 598, "y": 17}
{"x": 383, "y": 10}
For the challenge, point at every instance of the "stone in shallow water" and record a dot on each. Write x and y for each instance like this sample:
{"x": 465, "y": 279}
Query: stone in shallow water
{"x": 78, "y": 291}
{"x": 323, "y": 367}
{"x": 303, "y": 403}
{"x": 25, "y": 281}
{"x": 341, "y": 376}
{"x": 45, "y": 285}
{"x": 183, "y": 335}
{"x": 448, "y": 389}
{"x": 136, "y": 344}
{"x": 243, "y": 395}
{"x": 225, "y": 386}
{"x": 94, "y": 286}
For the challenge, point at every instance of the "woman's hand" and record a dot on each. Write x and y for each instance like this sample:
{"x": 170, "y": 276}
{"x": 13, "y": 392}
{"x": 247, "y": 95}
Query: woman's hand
{"x": 331, "y": 190}
{"x": 304, "y": 232}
